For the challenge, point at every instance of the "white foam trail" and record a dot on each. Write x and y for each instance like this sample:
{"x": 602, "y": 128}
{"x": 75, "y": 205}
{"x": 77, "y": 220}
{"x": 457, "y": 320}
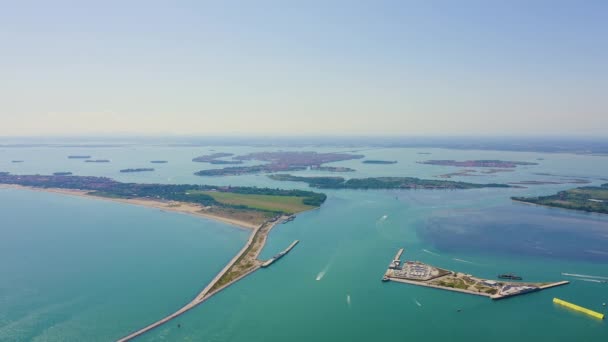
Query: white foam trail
{"x": 381, "y": 220}
{"x": 593, "y": 280}
{"x": 348, "y": 300}
{"x": 583, "y": 276}
{"x": 417, "y": 302}
{"x": 323, "y": 271}
{"x": 433, "y": 253}
{"x": 468, "y": 262}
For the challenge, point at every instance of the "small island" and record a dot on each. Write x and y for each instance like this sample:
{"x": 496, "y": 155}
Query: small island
{"x": 211, "y": 157}
{"x": 97, "y": 161}
{"x": 277, "y": 162}
{"x": 372, "y": 161}
{"x": 158, "y": 161}
{"x": 477, "y": 163}
{"x": 593, "y": 199}
{"x": 545, "y": 182}
{"x": 421, "y": 274}
{"x": 382, "y": 183}
{"x": 470, "y": 172}
{"x": 141, "y": 169}
{"x": 225, "y": 162}
{"x": 332, "y": 168}
{"x": 79, "y": 157}
{"x": 63, "y": 173}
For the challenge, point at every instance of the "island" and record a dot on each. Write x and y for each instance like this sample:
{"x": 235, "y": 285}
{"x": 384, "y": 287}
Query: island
{"x": 158, "y": 161}
{"x": 382, "y": 183}
{"x": 462, "y": 173}
{"x": 544, "y": 182}
{"x": 477, "y": 163}
{"x": 97, "y": 161}
{"x": 279, "y": 162}
{"x": 372, "y": 161}
{"x": 250, "y": 205}
{"x": 62, "y": 173}
{"x": 225, "y": 162}
{"x": 259, "y": 209}
{"x": 79, "y": 157}
{"x": 593, "y": 199}
{"x": 211, "y": 157}
{"x": 332, "y": 168}
{"x": 141, "y": 169}
{"x": 422, "y": 274}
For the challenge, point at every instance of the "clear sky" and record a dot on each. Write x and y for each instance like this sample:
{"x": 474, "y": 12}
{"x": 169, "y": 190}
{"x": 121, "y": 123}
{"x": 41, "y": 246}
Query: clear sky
{"x": 304, "y": 67}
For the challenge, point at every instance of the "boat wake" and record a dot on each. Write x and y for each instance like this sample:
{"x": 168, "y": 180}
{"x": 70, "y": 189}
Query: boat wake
{"x": 584, "y": 276}
{"x": 465, "y": 261}
{"x": 323, "y": 271}
{"x": 433, "y": 253}
{"x": 381, "y": 219}
{"x": 592, "y": 280}
{"x": 417, "y": 302}
{"x": 348, "y": 300}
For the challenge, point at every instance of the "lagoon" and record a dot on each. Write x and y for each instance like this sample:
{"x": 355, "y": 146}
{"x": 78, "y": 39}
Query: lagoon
{"x": 79, "y": 269}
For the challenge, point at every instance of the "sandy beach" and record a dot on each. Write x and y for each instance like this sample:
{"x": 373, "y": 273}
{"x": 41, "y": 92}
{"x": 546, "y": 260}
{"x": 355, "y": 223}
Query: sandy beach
{"x": 169, "y": 206}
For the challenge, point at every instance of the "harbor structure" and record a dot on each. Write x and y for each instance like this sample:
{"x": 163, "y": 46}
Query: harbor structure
{"x": 422, "y": 274}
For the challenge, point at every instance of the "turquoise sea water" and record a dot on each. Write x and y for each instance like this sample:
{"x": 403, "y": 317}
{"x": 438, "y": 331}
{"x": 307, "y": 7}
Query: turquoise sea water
{"x": 78, "y": 269}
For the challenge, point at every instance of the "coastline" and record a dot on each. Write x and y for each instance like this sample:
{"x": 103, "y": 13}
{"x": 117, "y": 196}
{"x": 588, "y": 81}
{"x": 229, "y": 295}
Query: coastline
{"x": 556, "y": 207}
{"x": 176, "y": 207}
{"x": 247, "y": 256}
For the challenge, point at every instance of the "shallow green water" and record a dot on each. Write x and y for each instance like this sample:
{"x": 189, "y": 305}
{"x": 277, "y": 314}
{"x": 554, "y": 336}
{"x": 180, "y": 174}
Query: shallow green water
{"x": 81, "y": 269}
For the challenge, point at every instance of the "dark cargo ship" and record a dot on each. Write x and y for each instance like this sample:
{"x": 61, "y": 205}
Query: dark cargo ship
{"x": 509, "y": 276}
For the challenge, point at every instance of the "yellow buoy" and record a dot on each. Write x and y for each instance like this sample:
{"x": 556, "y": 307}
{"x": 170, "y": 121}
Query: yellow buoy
{"x": 578, "y": 308}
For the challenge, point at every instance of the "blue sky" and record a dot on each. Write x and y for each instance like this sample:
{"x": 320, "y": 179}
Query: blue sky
{"x": 304, "y": 67}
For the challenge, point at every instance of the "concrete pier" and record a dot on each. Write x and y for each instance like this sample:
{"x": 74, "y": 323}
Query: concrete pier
{"x": 398, "y": 255}
{"x": 280, "y": 255}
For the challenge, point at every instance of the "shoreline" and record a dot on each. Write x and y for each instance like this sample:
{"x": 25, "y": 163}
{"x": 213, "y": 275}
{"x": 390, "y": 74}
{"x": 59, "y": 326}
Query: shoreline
{"x": 556, "y": 207}
{"x": 257, "y": 238}
{"x": 174, "y": 207}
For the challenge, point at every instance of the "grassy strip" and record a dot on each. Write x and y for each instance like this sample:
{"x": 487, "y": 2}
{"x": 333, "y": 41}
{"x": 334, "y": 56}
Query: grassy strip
{"x": 273, "y": 203}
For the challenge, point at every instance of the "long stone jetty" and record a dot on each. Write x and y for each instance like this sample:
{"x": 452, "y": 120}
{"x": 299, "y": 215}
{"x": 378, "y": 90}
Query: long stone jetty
{"x": 242, "y": 264}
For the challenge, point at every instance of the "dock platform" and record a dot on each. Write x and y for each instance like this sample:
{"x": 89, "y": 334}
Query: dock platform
{"x": 280, "y": 255}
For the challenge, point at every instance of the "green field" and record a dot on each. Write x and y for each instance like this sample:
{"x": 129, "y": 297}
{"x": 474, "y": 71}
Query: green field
{"x": 285, "y": 204}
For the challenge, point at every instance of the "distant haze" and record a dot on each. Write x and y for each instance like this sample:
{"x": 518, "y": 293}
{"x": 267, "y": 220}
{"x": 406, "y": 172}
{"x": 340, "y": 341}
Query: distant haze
{"x": 306, "y": 67}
